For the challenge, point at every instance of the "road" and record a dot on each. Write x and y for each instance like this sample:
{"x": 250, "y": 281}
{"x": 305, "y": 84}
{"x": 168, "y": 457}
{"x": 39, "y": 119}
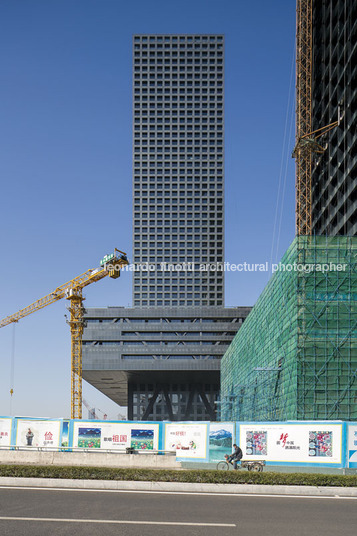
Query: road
{"x": 107, "y": 513}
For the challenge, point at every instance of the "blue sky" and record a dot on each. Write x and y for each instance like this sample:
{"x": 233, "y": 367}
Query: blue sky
{"x": 66, "y": 161}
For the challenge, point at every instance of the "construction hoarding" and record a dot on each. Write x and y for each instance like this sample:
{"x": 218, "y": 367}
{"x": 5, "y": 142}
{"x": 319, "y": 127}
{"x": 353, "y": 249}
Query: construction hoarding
{"x": 5, "y": 431}
{"x": 188, "y": 439}
{"x": 111, "y": 435}
{"x": 352, "y": 445}
{"x": 317, "y": 443}
{"x": 299, "y": 443}
{"x": 38, "y": 432}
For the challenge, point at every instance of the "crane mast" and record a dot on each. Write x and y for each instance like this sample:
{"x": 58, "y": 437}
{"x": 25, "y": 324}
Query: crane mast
{"x": 302, "y": 151}
{"x": 76, "y": 324}
{"x": 72, "y": 291}
{"x": 306, "y": 144}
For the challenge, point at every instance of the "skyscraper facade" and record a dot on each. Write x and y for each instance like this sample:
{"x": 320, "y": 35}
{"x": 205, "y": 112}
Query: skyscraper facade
{"x": 334, "y": 97}
{"x": 178, "y": 168}
{"x": 161, "y": 357}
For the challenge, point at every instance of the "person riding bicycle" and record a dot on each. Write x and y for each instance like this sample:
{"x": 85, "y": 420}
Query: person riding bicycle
{"x": 236, "y": 456}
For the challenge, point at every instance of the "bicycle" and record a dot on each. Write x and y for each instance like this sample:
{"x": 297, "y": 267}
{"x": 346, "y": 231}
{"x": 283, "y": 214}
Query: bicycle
{"x": 252, "y": 465}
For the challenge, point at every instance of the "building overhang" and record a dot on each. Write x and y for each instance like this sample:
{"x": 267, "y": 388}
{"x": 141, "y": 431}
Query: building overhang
{"x": 114, "y": 383}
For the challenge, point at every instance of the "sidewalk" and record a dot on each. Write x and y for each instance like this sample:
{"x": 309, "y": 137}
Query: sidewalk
{"x": 123, "y": 485}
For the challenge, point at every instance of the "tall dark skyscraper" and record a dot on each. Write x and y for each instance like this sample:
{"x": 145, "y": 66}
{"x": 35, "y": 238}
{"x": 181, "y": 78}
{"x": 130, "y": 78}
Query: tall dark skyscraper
{"x": 304, "y": 321}
{"x": 178, "y": 84}
{"x": 334, "y": 94}
{"x": 161, "y": 358}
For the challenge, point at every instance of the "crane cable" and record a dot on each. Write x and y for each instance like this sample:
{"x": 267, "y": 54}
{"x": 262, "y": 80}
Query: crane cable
{"x": 283, "y": 167}
{"x": 287, "y": 160}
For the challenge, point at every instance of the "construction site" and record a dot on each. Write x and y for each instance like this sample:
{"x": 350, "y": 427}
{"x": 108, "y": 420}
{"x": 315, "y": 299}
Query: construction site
{"x": 296, "y": 355}
{"x": 72, "y": 291}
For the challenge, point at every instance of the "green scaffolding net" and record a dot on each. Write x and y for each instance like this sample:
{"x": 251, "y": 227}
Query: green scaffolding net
{"x": 295, "y": 357}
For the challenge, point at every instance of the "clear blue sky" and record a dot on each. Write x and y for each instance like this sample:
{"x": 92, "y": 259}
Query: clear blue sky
{"x": 66, "y": 161}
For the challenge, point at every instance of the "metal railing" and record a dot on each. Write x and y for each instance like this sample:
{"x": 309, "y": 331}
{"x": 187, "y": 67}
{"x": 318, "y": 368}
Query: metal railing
{"x": 127, "y": 450}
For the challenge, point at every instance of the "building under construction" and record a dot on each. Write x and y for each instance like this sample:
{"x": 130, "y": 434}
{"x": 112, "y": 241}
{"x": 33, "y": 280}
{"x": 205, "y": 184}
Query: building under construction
{"x": 295, "y": 356}
{"x": 326, "y": 117}
{"x": 334, "y": 98}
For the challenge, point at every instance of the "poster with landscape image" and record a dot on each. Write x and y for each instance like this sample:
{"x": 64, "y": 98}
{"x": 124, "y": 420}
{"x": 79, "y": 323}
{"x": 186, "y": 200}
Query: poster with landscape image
{"x": 89, "y": 438}
{"x": 142, "y": 439}
{"x": 220, "y": 440}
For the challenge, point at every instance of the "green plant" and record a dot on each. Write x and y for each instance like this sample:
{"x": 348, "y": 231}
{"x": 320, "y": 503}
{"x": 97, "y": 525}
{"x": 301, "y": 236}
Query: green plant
{"x": 166, "y": 475}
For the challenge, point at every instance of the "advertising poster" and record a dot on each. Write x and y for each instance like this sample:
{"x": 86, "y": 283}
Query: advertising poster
{"x": 189, "y": 440}
{"x": 41, "y": 433}
{"x": 320, "y": 443}
{"x": 115, "y": 435}
{"x": 5, "y": 431}
{"x": 352, "y": 445}
{"x": 317, "y": 442}
{"x": 142, "y": 438}
{"x": 89, "y": 438}
{"x": 256, "y": 442}
{"x": 65, "y": 432}
{"x": 220, "y": 440}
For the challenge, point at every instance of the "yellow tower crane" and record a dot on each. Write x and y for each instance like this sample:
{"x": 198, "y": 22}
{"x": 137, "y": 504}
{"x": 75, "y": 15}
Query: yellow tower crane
{"x": 72, "y": 291}
{"x": 306, "y": 139}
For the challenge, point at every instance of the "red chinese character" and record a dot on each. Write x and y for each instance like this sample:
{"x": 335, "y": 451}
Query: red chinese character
{"x": 283, "y": 438}
{"x": 116, "y": 438}
{"x": 48, "y": 436}
{"x": 123, "y": 438}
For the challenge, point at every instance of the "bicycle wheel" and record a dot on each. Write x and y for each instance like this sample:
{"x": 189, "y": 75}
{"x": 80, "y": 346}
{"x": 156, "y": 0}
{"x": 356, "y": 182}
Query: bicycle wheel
{"x": 256, "y": 467}
{"x": 222, "y": 466}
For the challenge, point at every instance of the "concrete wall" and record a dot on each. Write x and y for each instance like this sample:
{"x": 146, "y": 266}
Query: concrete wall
{"x": 94, "y": 459}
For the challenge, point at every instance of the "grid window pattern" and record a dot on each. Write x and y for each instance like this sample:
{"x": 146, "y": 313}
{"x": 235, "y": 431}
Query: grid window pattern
{"x": 334, "y": 184}
{"x": 178, "y": 160}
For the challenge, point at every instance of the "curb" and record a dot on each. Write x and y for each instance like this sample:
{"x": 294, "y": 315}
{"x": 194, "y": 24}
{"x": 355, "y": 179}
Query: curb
{"x": 123, "y": 485}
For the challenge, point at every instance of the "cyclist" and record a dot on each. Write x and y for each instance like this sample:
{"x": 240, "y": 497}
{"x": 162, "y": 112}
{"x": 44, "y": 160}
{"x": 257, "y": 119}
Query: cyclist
{"x": 236, "y": 456}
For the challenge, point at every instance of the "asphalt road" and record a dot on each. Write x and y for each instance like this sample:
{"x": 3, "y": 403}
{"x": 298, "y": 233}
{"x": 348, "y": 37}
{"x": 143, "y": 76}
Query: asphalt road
{"x": 89, "y": 513}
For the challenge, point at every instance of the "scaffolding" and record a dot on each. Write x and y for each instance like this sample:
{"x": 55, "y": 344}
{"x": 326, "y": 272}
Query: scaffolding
{"x": 295, "y": 356}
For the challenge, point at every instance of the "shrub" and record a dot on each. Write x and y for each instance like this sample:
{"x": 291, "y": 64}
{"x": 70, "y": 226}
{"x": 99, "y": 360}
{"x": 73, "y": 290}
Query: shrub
{"x": 167, "y": 475}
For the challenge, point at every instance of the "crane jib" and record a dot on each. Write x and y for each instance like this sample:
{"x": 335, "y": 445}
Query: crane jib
{"x": 72, "y": 290}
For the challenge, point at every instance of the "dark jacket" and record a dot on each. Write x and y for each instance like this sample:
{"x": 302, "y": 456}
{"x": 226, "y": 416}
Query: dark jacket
{"x": 237, "y": 454}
